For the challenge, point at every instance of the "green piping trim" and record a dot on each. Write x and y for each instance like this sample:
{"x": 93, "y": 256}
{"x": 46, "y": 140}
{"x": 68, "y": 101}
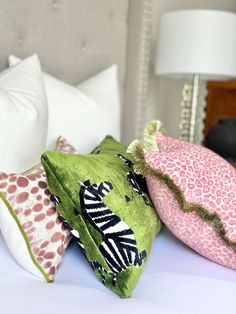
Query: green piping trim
{"x": 20, "y": 227}
{"x": 25, "y": 238}
{"x": 57, "y": 142}
{"x": 212, "y": 220}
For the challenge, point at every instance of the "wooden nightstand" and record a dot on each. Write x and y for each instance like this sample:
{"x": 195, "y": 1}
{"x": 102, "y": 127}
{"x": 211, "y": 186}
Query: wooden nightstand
{"x": 221, "y": 102}
{"x": 234, "y": 164}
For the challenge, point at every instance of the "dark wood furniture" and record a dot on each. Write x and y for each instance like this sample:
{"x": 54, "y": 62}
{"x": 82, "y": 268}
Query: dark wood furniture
{"x": 221, "y": 103}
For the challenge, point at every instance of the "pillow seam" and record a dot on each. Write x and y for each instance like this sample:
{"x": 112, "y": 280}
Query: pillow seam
{"x": 83, "y": 218}
{"x": 45, "y": 276}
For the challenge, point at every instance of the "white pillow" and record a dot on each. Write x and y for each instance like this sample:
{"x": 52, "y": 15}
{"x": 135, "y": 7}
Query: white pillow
{"x": 23, "y": 116}
{"x": 85, "y": 114}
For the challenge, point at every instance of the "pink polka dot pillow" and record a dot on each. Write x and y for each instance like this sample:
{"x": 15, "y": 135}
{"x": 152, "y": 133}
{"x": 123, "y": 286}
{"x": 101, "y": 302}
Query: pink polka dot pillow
{"x": 193, "y": 191}
{"x": 29, "y": 223}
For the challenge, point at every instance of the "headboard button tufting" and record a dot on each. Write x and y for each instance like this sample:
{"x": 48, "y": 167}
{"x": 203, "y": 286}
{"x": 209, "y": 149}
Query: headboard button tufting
{"x": 72, "y": 32}
{"x": 55, "y": 4}
{"x": 20, "y": 41}
{"x": 84, "y": 46}
{"x": 111, "y": 15}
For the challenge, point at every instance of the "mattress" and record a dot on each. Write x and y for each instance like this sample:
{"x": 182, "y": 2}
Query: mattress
{"x": 175, "y": 280}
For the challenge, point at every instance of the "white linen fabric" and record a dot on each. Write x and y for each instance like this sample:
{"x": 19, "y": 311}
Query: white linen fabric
{"x": 175, "y": 280}
{"x": 84, "y": 114}
{"x": 23, "y": 116}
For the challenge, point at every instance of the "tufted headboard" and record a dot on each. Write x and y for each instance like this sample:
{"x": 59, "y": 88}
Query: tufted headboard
{"x": 75, "y": 39}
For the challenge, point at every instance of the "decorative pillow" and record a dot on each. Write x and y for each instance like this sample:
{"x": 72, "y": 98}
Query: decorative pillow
{"x": 193, "y": 190}
{"x": 29, "y": 223}
{"x": 92, "y": 108}
{"x": 24, "y": 116}
{"x": 102, "y": 203}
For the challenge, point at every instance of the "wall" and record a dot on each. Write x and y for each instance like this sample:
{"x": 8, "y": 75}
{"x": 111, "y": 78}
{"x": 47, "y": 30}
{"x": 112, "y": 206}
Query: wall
{"x": 164, "y": 94}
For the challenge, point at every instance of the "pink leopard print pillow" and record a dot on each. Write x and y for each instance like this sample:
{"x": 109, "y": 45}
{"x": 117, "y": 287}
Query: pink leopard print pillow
{"x": 29, "y": 223}
{"x": 194, "y": 193}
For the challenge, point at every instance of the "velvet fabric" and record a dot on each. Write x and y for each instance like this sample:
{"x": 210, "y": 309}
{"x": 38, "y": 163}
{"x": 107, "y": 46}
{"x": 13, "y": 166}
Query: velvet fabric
{"x": 107, "y": 210}
{"x": 193, "y": 190}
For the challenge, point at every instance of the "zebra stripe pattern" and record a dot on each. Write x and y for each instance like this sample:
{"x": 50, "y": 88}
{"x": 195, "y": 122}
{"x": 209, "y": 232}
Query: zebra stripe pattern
{"x": 127, "y": 162}
{"x": 119, "y": 246}
{"x": 76, "y": 237}
{"x": 74, "y": 233}
{"x": 137, "y": 182}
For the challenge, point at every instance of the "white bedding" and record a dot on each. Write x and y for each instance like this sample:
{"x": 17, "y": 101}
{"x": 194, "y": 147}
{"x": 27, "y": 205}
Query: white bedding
{"x": 175, "y": 280}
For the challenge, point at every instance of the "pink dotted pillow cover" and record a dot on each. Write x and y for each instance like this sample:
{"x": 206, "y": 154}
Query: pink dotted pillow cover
{"x": 29, "y": 223}
{"x": 193, "y": 191}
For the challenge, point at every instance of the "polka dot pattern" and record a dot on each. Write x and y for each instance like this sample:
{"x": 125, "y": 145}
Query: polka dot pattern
{"x": 205, "y": 179}
{"x": 30, "y": 200}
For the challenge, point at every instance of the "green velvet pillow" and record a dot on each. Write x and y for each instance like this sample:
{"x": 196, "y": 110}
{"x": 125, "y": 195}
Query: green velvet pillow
{"x": 102, "y": 203}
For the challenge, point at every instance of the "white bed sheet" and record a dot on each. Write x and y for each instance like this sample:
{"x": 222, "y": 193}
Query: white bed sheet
{"x": 175, "y": 280}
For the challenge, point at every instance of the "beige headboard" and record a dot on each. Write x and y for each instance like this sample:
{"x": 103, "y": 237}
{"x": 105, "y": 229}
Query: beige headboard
{"x": 75, "y": 39}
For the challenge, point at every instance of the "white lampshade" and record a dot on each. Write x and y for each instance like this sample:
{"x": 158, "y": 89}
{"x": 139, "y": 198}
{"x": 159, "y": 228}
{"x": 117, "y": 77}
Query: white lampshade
{"x": 197, "y": 42}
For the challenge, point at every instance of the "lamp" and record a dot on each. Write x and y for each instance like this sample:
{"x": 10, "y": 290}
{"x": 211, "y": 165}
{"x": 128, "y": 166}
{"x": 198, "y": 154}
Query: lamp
{"x": 197, "y": 43}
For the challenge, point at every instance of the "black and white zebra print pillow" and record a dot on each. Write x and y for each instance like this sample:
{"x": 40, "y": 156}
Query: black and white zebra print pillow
{"x": 107, "y": 210}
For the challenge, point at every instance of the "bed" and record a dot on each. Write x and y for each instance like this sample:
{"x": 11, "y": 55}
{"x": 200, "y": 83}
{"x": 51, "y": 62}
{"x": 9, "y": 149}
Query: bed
{"x": 75, "y": 40}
